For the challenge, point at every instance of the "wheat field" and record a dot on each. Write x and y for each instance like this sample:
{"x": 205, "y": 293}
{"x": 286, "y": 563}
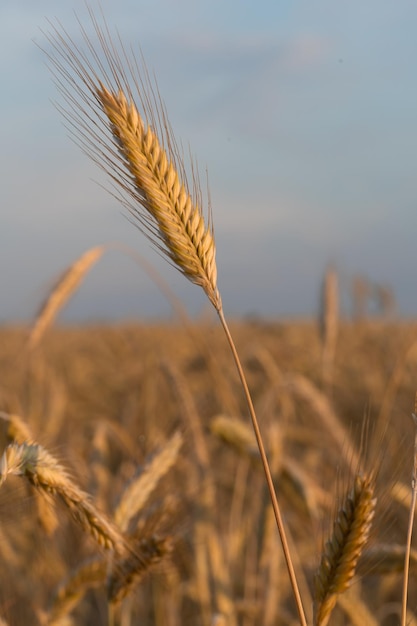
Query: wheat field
{"x": 108, "y": 401}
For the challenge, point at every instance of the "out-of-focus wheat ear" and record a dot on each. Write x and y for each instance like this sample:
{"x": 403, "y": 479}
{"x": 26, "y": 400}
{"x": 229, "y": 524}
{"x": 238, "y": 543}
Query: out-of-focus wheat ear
{"x": 219, "y": 620}
{"x": 18, "y": 430}
{"x": 63, "y": 289}
{"x": 236, "y": 433}
{"x": 138, "y": 491}
{"x": 341, "y": 553}
{"x": 128, "y": 572}
{"x": 90, "y": 574}
{"x": 45, "y": 473}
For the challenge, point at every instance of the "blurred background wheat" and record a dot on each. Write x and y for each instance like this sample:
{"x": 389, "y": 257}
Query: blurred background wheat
{"x": 106, "y": 399}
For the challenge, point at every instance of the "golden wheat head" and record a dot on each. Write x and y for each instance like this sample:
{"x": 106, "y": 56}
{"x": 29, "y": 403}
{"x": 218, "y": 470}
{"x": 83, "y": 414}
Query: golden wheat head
{"x": 121, "y": 124}
{"x": 342, "y": 551}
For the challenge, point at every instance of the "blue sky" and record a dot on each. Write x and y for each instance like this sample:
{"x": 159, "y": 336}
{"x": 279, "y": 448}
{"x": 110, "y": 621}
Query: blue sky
{"x": 304, "y": 114}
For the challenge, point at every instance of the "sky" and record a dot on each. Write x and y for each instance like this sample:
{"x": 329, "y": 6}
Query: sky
{"x": 302, "y": 113}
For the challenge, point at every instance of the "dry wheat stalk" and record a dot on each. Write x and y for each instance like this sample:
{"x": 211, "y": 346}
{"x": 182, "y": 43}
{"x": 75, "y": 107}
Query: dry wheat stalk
{"x": 47, "y": 475}
{"x": 122, "y": 138}
{"x": 342, "y": 551}
{"x": 214, "y": 583}
{"x": 138, "y": 491}
{"x": 410, "y": 522}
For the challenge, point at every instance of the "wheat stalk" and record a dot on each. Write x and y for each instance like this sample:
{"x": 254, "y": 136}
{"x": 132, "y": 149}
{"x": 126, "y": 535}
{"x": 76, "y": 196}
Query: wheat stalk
{"x": 410, "y": 522}
{"x": 329, "y": 322}
{"x": 341, "y": 553}
{"x": 123, "y": 139}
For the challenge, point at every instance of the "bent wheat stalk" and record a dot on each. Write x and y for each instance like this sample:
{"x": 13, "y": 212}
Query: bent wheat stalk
{"x": 140, "y": 155}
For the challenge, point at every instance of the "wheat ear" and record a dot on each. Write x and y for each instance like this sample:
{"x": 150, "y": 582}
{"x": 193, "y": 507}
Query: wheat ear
{"x": 46, "y": 474}
{"x": 147, "y": 168}
{"x": 138, "y": 491}
{"x": 158, "y": 188}
{"x": 342, "y": 551}
{"x": 63, "y": 289}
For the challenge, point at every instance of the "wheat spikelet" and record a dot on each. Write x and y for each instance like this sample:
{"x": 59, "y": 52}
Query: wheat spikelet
{"x": 46, "y": 474}
{"x": 147, "y": 168}
{"x": 64, "y": 287}
{"x": 138, "y": 491}
{"x": 342, "y": 551}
